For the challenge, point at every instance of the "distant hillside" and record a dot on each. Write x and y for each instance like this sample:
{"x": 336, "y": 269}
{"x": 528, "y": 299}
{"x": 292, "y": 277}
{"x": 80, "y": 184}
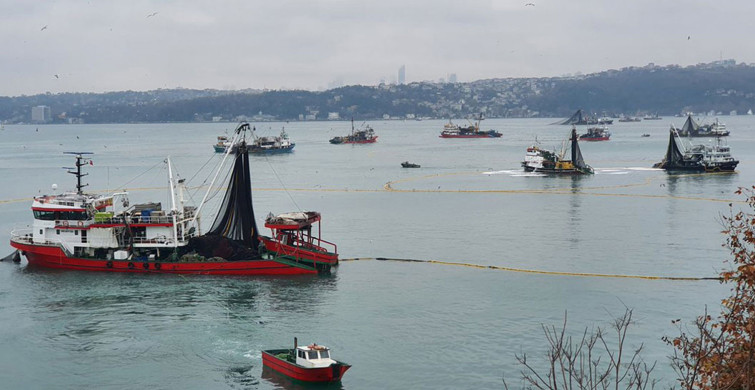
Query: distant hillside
{"x": 721, "y": 86}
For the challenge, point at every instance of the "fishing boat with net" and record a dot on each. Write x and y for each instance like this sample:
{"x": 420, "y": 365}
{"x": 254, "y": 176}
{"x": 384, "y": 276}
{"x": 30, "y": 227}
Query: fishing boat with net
{"x": 551, "y": 162}
{"x": 684, "y": 156}
{"x": 691, "y": 128}
{"x": 95, "y": 232}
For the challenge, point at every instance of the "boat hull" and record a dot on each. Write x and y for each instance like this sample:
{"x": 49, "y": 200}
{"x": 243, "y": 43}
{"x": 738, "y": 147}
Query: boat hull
{"x": 299, "y": 253}
{"x": 594, "y": 138}
{"x": 497, "y": 135}
{"x": 362, "y": 141}
{"x": 723, "y": 167}
{"x": 54, "y": 257}
{"x": 286, "y": 149}
{"x": 553, "y": 171}
{"x": 331, "y": 373}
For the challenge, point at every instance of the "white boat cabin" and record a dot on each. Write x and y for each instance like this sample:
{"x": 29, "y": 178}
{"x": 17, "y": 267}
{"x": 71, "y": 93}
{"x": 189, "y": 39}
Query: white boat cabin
{"x": 314, "y": 356}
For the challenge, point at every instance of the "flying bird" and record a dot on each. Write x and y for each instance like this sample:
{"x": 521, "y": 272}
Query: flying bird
{"x": 688, "y": 37}
{"x": 57, "y": 77}
{"x": 43, "y": 28}
{"x": 532, "y": 4}
{"x": 152, "y": 14}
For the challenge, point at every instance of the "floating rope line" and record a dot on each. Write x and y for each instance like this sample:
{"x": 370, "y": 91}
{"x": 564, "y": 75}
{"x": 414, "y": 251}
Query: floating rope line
{"x": 533, "y": 271}
{"x": 388, "y": 187}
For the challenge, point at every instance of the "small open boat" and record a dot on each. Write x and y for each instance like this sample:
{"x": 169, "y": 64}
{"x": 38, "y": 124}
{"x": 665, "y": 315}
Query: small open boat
{"x": 407, "y": 164}
{"x": 310, "y": 363}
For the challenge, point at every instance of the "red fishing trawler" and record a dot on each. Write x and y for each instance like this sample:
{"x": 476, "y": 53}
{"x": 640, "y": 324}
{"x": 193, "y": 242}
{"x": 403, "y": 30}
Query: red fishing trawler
{"x": 80, "y": 231}
{"x": 312, "y": 363}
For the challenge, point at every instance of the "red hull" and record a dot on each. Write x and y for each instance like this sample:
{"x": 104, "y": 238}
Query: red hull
{"x": 595, "y": 139}
{"x": 324, "y": 374}
{"x": 299, "y": 253}
{"x": 54, "y": 257}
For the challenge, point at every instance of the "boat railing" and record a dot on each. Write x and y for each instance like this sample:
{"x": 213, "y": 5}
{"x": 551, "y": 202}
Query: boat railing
{"x": 139, "y": 219}
{"x": 25, "y": 236}
{"x": 316, "y": 244}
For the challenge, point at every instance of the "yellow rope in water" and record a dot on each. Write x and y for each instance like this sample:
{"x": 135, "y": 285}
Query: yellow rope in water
{"x": 532, "y": 271}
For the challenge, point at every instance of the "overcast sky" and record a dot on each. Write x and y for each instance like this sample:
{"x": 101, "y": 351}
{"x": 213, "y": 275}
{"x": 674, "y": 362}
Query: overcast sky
{"x": 97, "y": 45}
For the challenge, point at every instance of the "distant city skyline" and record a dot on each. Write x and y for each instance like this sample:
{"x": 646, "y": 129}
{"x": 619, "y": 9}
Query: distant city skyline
{"x": 75, "y": 46}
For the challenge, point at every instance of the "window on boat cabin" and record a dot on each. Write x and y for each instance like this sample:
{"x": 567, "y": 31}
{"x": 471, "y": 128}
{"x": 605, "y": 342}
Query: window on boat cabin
{"x": 324, "y": 354}
{"x": 44, "y": 215}
{"x": 73, "y": 215}
{"x": 63, "y": 215}
{"x": 57, "y": 231}
{"x": 312, "y": 355}
{"x": 301, "y": 354}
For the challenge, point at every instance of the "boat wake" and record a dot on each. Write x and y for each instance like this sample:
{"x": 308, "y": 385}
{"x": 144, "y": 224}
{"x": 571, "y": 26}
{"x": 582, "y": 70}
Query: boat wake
{"x": 514, "y": 173}
{"x": 624, "y": 170}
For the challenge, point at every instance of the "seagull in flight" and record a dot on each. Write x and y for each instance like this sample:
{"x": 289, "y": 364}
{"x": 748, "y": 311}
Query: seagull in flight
{"x": 152, "y": 14}
{"x": 43, "y": 28}
{"x": 57, "y": 77}
{"x": 532, "y": 4}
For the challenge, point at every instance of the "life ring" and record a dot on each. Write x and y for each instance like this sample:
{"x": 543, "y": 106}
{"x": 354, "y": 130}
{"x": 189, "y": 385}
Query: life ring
{"x": 157, "y": 266}
{"x": 109, "y": 264}
{"x": 65, "y": 223}
{"x": 80, "y": 223}
{"x": 145, "y": 265}
{"x": 130, "y": 265}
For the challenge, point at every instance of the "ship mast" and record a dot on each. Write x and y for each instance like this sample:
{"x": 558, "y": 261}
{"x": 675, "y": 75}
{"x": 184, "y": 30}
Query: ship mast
{"x": 173, "y": 209}
{"x": 80, "y": 161}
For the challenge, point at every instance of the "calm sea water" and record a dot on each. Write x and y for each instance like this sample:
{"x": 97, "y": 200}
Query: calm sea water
{"x": 401, "y": 324}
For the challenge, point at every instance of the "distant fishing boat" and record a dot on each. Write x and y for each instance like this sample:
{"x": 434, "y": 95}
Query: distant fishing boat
{"x": 363, "y": 136}
{"x": 259, "y": 145}
{"x": 696, "y": 158}
{"x": 450, "y": 130}
{"x": 407, "y": 164}
{"x": 579, "y": 118}
{"x": 222, "y": 145}
{"x": 596, "y": 134}
{"x": 692, "y": 129}
{"x": 652, "y": 117}
{"x": 271, "y": 145}
{"x": 546, "y": 161}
